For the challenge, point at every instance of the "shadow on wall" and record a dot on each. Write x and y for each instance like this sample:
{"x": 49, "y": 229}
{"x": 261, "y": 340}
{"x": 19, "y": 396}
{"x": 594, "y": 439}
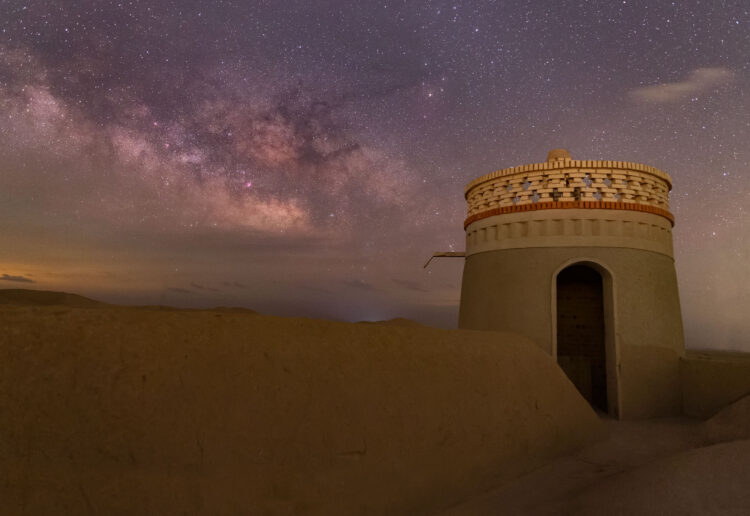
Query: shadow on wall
{"x": 711, "y": 380}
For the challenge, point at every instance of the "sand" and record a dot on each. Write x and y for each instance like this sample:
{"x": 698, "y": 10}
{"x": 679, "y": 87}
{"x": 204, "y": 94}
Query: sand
{"x": 706, "y": 481}
{"x": 731, "y": 424}
{"x": 112, "y": 410}
{"x": 667, "y": 466}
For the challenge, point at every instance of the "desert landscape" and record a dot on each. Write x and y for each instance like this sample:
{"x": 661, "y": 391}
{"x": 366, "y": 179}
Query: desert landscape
{"x": 394, "y": 258}
{"x": 151, "y": 410}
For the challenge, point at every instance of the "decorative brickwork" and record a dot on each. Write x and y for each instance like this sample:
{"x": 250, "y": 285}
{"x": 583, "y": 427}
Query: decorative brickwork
{"x": 604, "y": 205}
{"x": 566, "y": 183}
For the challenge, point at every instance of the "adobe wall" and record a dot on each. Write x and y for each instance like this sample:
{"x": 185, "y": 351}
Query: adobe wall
{"x": 581, "y": 227}
{"x": 512, "y": 290}
{"x": 711, "y": 380}
{"x": 156, "y": 411}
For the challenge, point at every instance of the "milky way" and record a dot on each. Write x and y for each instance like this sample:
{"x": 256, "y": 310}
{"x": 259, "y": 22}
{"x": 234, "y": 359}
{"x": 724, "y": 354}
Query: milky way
{"x": 306, "y": 158}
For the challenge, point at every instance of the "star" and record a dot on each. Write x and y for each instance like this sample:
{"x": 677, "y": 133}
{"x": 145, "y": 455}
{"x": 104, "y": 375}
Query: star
{"x": 283, "y": 144}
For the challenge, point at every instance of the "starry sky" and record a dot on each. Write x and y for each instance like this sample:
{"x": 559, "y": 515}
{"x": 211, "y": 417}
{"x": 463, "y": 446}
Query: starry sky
{"x": 305, "y": 157}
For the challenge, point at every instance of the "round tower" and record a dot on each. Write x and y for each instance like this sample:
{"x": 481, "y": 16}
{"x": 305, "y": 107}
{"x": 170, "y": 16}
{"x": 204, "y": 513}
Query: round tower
{"x": 577, "y": 255}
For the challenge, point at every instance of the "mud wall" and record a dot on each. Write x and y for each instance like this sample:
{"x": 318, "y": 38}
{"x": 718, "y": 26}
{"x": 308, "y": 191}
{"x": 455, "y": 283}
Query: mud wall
{"x": 141, "y": 411}
{"x": 711, "y": 380}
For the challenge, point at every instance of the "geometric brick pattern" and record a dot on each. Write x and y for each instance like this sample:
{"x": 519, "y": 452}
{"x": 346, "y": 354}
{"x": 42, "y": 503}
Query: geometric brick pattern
{"x": 556, "y": 184}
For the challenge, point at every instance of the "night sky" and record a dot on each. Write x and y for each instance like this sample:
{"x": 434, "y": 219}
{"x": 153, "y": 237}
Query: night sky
{"x": 307, "y": 157}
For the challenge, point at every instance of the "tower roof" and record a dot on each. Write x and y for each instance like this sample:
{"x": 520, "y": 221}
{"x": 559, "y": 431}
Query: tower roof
{"x": 558, "y": 154}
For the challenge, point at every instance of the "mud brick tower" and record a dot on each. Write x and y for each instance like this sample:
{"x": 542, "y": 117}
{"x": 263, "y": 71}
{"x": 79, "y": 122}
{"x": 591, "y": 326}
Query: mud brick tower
{"x": 577, "y": 255}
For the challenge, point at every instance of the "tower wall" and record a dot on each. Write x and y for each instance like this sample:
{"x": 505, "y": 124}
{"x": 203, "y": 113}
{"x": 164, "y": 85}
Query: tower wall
{"x": 611, "y": 216}
{"x": 514, "y": 290}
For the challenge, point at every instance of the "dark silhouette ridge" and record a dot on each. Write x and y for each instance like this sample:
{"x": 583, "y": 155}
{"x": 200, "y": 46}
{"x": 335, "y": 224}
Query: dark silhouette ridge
{"x": 18, "y": 296}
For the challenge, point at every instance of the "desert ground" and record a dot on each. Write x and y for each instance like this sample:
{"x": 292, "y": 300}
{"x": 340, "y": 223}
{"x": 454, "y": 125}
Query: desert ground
{"x": 151, "y": 410}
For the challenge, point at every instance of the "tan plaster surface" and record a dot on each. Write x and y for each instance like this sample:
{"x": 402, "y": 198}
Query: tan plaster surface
{"x": 156, "y": 411}
{"x": 712, "y": 380}
{"x": 512, "y": 290}
{"x": 731, "y": 423}
{"x": 658, "y": 467}
{"x": 650, "y": 379}
{"x": 571, "y": 228}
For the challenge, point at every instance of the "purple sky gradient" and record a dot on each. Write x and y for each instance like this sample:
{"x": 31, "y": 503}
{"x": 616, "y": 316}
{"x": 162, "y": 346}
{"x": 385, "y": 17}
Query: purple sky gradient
{"x": 306, "y": 158}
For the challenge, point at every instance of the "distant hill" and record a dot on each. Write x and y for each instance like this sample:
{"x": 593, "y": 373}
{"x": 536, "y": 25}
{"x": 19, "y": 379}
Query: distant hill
{"x": 233, "y": 309}
{"x": 398, "y": 321}
{"x": 24, "y": 297}
{"x": 17, "y": 296}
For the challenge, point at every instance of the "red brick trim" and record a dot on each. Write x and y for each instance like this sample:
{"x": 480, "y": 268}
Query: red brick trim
{"x": 561, "y": 205}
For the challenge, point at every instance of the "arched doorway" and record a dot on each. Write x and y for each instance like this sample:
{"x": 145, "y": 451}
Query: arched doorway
{"x": 581, "y": 346}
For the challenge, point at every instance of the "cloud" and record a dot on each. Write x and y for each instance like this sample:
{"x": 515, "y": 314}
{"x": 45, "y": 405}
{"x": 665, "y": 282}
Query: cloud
{"x": 360, "y": 284}
{"x": 201, "y": 287}
{"x": 311, "y": 288}
{"x": 179, "y": 290}
{"x": 18, "y": 279}
{"x": 410, "y": 285}
{"x": 235, "y": 284}
{"x": 699, "y": 81}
